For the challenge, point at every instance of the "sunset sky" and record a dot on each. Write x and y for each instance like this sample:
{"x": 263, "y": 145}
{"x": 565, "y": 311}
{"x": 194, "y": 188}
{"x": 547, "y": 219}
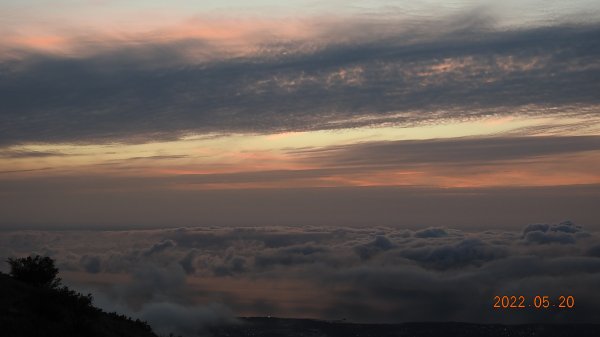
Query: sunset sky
{"x": 299, "y": 158}
{"x": 149, "y": 113}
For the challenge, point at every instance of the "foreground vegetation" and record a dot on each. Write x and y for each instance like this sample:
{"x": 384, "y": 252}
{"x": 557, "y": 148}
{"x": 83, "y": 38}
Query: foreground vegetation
{"x": 34, "y": 303}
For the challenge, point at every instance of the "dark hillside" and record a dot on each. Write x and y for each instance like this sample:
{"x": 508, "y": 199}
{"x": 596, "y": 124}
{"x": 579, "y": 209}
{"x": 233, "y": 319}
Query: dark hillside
{"x": 27, "y": 310}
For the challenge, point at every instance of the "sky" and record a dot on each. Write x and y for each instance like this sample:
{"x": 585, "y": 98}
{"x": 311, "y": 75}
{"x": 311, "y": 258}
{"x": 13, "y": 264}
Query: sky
{"x": 469, "y": 120}
{"x": 154, "y": 114}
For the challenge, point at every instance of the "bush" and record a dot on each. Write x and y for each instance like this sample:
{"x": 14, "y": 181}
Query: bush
{"x": 38, "y": 271}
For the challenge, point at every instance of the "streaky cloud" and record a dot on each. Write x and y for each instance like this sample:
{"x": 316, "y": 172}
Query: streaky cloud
{"x": 401, "y": 78}
{"x": 465, "y": 151}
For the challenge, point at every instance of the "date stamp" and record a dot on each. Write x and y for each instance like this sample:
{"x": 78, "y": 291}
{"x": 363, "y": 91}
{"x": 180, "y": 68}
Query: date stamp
{"x": 536, "y": 302}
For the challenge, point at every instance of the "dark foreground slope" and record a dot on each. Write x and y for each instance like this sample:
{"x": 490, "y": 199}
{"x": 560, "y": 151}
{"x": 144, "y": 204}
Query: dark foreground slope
{"x": 277, "y": 327}
{"x": 27, "y": 311}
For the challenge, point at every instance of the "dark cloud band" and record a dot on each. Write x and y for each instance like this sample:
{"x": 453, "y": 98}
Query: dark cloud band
{"x": 405, "y": 78}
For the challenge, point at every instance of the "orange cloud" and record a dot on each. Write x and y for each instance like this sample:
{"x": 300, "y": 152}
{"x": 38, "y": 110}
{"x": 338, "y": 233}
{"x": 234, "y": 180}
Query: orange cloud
{"x": 216, "y": 35}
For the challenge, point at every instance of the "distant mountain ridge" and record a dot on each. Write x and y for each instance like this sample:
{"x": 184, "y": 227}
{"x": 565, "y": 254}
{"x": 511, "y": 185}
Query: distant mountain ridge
{"x": 29, "y": 311}
{"x": 283, "y": 327}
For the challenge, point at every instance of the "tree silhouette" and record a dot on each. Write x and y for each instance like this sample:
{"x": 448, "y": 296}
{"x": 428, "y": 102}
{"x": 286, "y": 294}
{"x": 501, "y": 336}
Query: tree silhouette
{"x": 38, "y": 271}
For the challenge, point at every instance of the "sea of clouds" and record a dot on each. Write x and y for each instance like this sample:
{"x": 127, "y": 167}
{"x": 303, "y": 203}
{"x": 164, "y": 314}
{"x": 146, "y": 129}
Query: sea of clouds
{"x": 184, "y": 279}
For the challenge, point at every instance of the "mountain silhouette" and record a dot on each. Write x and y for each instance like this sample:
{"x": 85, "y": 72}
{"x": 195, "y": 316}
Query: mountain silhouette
{"x": 27, "y": 310}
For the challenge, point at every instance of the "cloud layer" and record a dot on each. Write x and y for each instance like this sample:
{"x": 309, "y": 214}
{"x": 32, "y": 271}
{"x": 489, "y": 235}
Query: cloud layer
{"x": 385, "y": 73}
{"x": 202, "y": 276}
